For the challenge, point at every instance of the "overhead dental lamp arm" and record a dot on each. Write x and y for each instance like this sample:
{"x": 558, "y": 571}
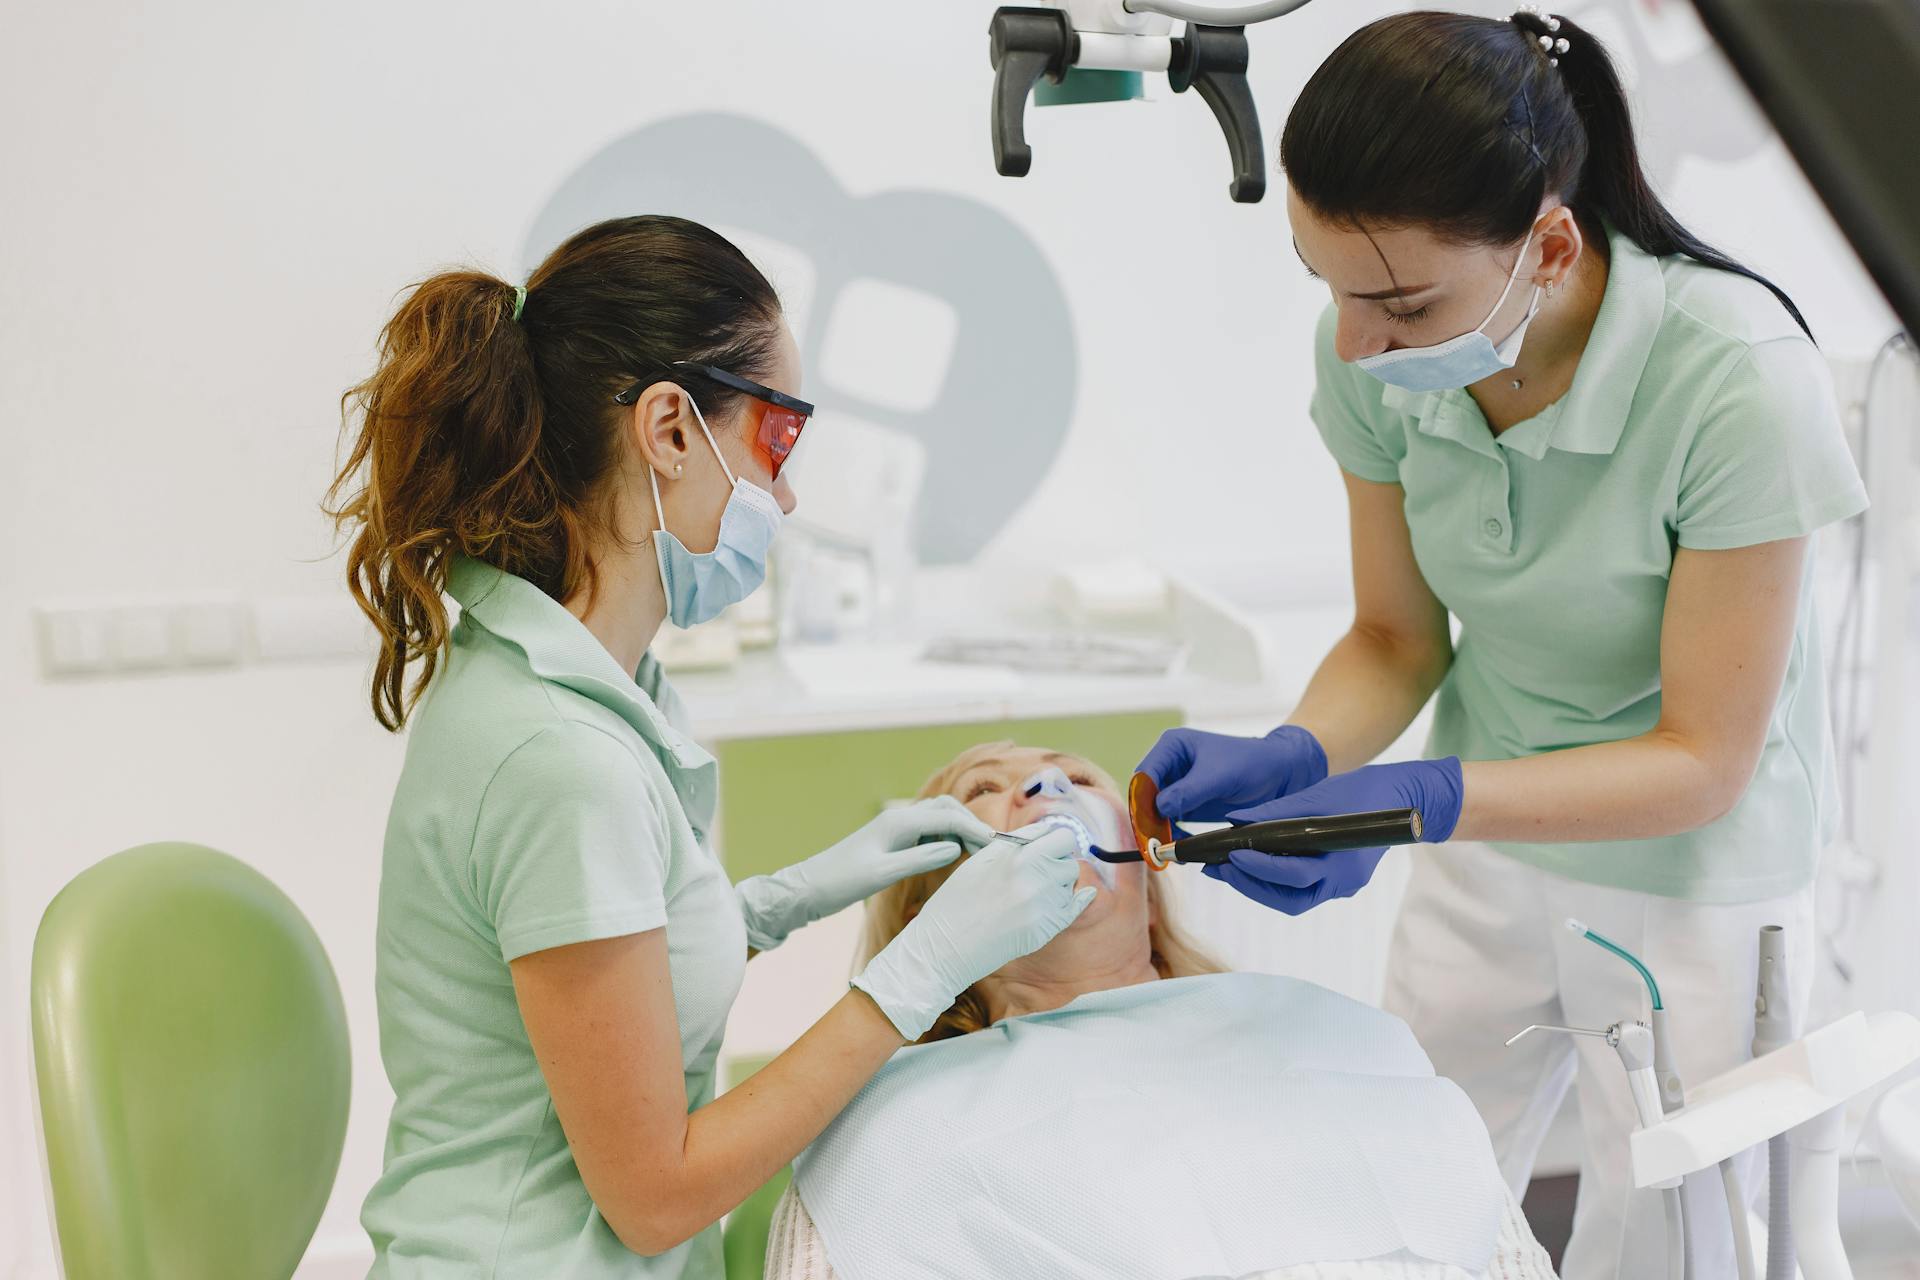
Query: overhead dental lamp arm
{"x": 1214, "y": 61}
{"x": 1024, "y": 44}
{"x": 1077, "y": 37}
{"x": 1232, "y": 15}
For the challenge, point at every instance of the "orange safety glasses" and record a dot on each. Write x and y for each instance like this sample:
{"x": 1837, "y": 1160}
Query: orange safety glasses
{"x": 782, "y": 417}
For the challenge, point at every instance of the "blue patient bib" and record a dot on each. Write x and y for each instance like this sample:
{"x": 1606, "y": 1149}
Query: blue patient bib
{"x": 1212, "y": 1126}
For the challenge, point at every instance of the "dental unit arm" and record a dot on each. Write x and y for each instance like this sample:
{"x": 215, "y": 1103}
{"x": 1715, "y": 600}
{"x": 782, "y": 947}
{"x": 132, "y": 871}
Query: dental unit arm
{"x": 1796, "y": 1087}
{"x": 1645, "y": 1052}
{"x": 1073, "y": 39}
{"x": 1633, "y": 1041}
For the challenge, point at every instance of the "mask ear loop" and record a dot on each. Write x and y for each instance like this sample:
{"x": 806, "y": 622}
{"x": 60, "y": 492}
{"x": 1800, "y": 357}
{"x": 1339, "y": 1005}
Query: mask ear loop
{"x": 653, "y": 482}
{"x": 659, "y": 512}
{"x": 701, "y": 418}
{"x": 653, "y": 477}
{"x": 1512, "y": 278}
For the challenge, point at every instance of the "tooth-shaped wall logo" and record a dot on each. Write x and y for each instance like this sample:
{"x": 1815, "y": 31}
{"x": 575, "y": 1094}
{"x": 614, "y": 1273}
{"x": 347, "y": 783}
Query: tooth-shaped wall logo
{"x": 991, "y": 415}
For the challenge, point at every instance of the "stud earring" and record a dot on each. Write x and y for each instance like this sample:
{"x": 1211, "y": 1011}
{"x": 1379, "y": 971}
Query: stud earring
{"x": 678, "y": 467}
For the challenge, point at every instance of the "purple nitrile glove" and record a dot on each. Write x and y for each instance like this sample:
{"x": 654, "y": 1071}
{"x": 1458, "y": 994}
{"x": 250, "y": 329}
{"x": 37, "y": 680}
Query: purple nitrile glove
{"x": 1294, "y": 883}
{"x": 1204, "y": 776}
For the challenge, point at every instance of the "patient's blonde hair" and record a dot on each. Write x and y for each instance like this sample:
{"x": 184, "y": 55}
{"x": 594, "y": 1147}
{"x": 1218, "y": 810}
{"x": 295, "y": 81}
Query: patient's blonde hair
{"x": 1174, "y": 954}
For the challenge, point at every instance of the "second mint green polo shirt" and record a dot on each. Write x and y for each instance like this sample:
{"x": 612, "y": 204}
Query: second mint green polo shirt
{"x": 1700, "y": 417}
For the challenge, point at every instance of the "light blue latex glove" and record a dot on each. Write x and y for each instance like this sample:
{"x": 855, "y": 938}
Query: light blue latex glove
{"x": 1202, "y": 776}
{"x": 899, "y": 843}
{"x": 1296, "y": 882}
{"x": 1004, "y": 902}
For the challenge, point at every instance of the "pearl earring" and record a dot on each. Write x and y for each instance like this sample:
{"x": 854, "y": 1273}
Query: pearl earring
{"x": 678, "y": 468}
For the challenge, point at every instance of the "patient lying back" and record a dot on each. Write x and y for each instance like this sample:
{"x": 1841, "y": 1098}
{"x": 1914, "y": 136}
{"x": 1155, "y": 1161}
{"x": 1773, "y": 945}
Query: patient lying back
{"x": 1114, "y": 1105}
{"x": 1126, "y": 935}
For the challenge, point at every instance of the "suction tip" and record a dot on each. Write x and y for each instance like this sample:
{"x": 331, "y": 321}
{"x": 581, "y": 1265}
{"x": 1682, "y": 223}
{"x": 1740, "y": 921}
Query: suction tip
{"x": 1576, "y": 926}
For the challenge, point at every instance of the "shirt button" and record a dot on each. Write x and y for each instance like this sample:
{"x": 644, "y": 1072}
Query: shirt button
{"x": 1494, "y": 528}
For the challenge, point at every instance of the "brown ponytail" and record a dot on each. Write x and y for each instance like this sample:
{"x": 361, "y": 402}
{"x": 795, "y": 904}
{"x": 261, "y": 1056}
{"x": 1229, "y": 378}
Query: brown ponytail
{"x": 490, "y": 436}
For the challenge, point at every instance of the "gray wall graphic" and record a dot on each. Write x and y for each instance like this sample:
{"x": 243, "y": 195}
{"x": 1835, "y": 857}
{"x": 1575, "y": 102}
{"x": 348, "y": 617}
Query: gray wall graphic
{"x": 1691, "y": 105}
{"x": 1010, "y": 382}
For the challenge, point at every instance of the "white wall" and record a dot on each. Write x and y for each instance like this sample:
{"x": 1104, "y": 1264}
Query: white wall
{"x": 205, "y": 212}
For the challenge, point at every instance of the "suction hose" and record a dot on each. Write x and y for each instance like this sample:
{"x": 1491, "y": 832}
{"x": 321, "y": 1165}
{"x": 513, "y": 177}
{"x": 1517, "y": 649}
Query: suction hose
{"x": 1773, "y": 1029}
{"x": 1779, "y": 1211}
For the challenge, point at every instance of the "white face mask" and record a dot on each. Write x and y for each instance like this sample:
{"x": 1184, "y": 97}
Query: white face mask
{"x": 1461, "y": 361}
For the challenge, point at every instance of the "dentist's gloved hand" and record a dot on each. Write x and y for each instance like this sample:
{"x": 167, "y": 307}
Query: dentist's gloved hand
{"x": 899, "y": 843}
{"x": 1294, "y": 883}
{"x": 1006, "y": 901}
{"x": 1202, "y": 776}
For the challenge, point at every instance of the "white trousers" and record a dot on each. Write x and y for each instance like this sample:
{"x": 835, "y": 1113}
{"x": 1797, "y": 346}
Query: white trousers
{"x": 1481, "y": 950}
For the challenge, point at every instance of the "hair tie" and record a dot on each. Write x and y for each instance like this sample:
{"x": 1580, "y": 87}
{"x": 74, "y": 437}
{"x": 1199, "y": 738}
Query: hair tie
{"x": 519, "y": 300}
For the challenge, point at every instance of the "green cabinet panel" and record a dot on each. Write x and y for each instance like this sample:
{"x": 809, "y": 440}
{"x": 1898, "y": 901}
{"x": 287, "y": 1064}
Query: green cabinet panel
{"x": 744, "y": 1239}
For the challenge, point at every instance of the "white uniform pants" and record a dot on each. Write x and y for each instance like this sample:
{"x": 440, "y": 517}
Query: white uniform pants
{"x": 1482, "y": 949}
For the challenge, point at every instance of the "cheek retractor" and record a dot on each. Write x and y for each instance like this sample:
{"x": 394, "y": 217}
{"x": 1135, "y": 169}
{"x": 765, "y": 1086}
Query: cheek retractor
{"x": 1094, "y": 824}
{"x": 1086, "y": 843}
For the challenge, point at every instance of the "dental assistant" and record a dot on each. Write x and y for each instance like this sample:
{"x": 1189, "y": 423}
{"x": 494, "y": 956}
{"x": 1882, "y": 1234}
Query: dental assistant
{"x": 576, "y": 462}
{"x": 1600, "y": 447}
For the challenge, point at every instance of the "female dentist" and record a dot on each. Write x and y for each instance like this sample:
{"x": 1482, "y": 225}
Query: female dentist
{"x": 574, "y": 463}
{"x": 1600, "y": 446}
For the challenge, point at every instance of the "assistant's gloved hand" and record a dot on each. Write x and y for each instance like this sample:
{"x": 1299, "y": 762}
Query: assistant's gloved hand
{"x": 1202, "y": 776}
{"x": 1006, "y": 901}
{"x": 1294, "y": 883}
{"x": 897, "y": 844}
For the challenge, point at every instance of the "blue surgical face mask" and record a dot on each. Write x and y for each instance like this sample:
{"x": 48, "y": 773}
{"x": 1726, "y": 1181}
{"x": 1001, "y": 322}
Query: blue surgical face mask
{"x": 1461, "y": 361}
{"x": 699, "y": 585}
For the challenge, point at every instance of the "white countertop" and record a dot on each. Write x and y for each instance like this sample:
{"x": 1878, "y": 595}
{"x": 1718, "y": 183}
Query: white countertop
{"x": 760, "y": 696}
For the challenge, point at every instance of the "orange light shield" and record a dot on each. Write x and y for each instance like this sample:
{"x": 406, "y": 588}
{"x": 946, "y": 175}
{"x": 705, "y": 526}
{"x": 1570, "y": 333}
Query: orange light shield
{"x": 1149, "y": 828}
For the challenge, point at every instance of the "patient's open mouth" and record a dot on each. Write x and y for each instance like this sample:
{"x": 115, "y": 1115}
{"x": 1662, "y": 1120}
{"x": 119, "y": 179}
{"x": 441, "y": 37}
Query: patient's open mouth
{"x": 1088, "y": 842}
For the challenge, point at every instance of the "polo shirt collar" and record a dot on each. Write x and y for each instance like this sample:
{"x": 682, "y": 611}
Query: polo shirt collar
{"x": 1594, "y": 411}
{"x": 1450, "y": 415}
{"x": 559, "y": 648}
{"x": 1590, "y": 417}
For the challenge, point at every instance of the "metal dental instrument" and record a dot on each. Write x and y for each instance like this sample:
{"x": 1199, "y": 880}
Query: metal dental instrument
{"x": 1012, "y": 837}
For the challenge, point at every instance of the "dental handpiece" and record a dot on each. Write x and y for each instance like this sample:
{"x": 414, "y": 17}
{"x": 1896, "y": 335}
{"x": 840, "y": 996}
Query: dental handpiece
{"x": 1329, "y": 834}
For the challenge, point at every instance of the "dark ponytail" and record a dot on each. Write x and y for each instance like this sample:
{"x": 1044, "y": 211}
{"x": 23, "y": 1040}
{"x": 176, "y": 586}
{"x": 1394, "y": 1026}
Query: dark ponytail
{"x": 494, "y": 436}
{"x": 1465, "y": 125}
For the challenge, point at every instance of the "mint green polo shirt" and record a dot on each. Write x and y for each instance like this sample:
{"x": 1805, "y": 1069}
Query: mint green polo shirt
{"x": 1700, "y": 417}
{"x": 547, "y": 798}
